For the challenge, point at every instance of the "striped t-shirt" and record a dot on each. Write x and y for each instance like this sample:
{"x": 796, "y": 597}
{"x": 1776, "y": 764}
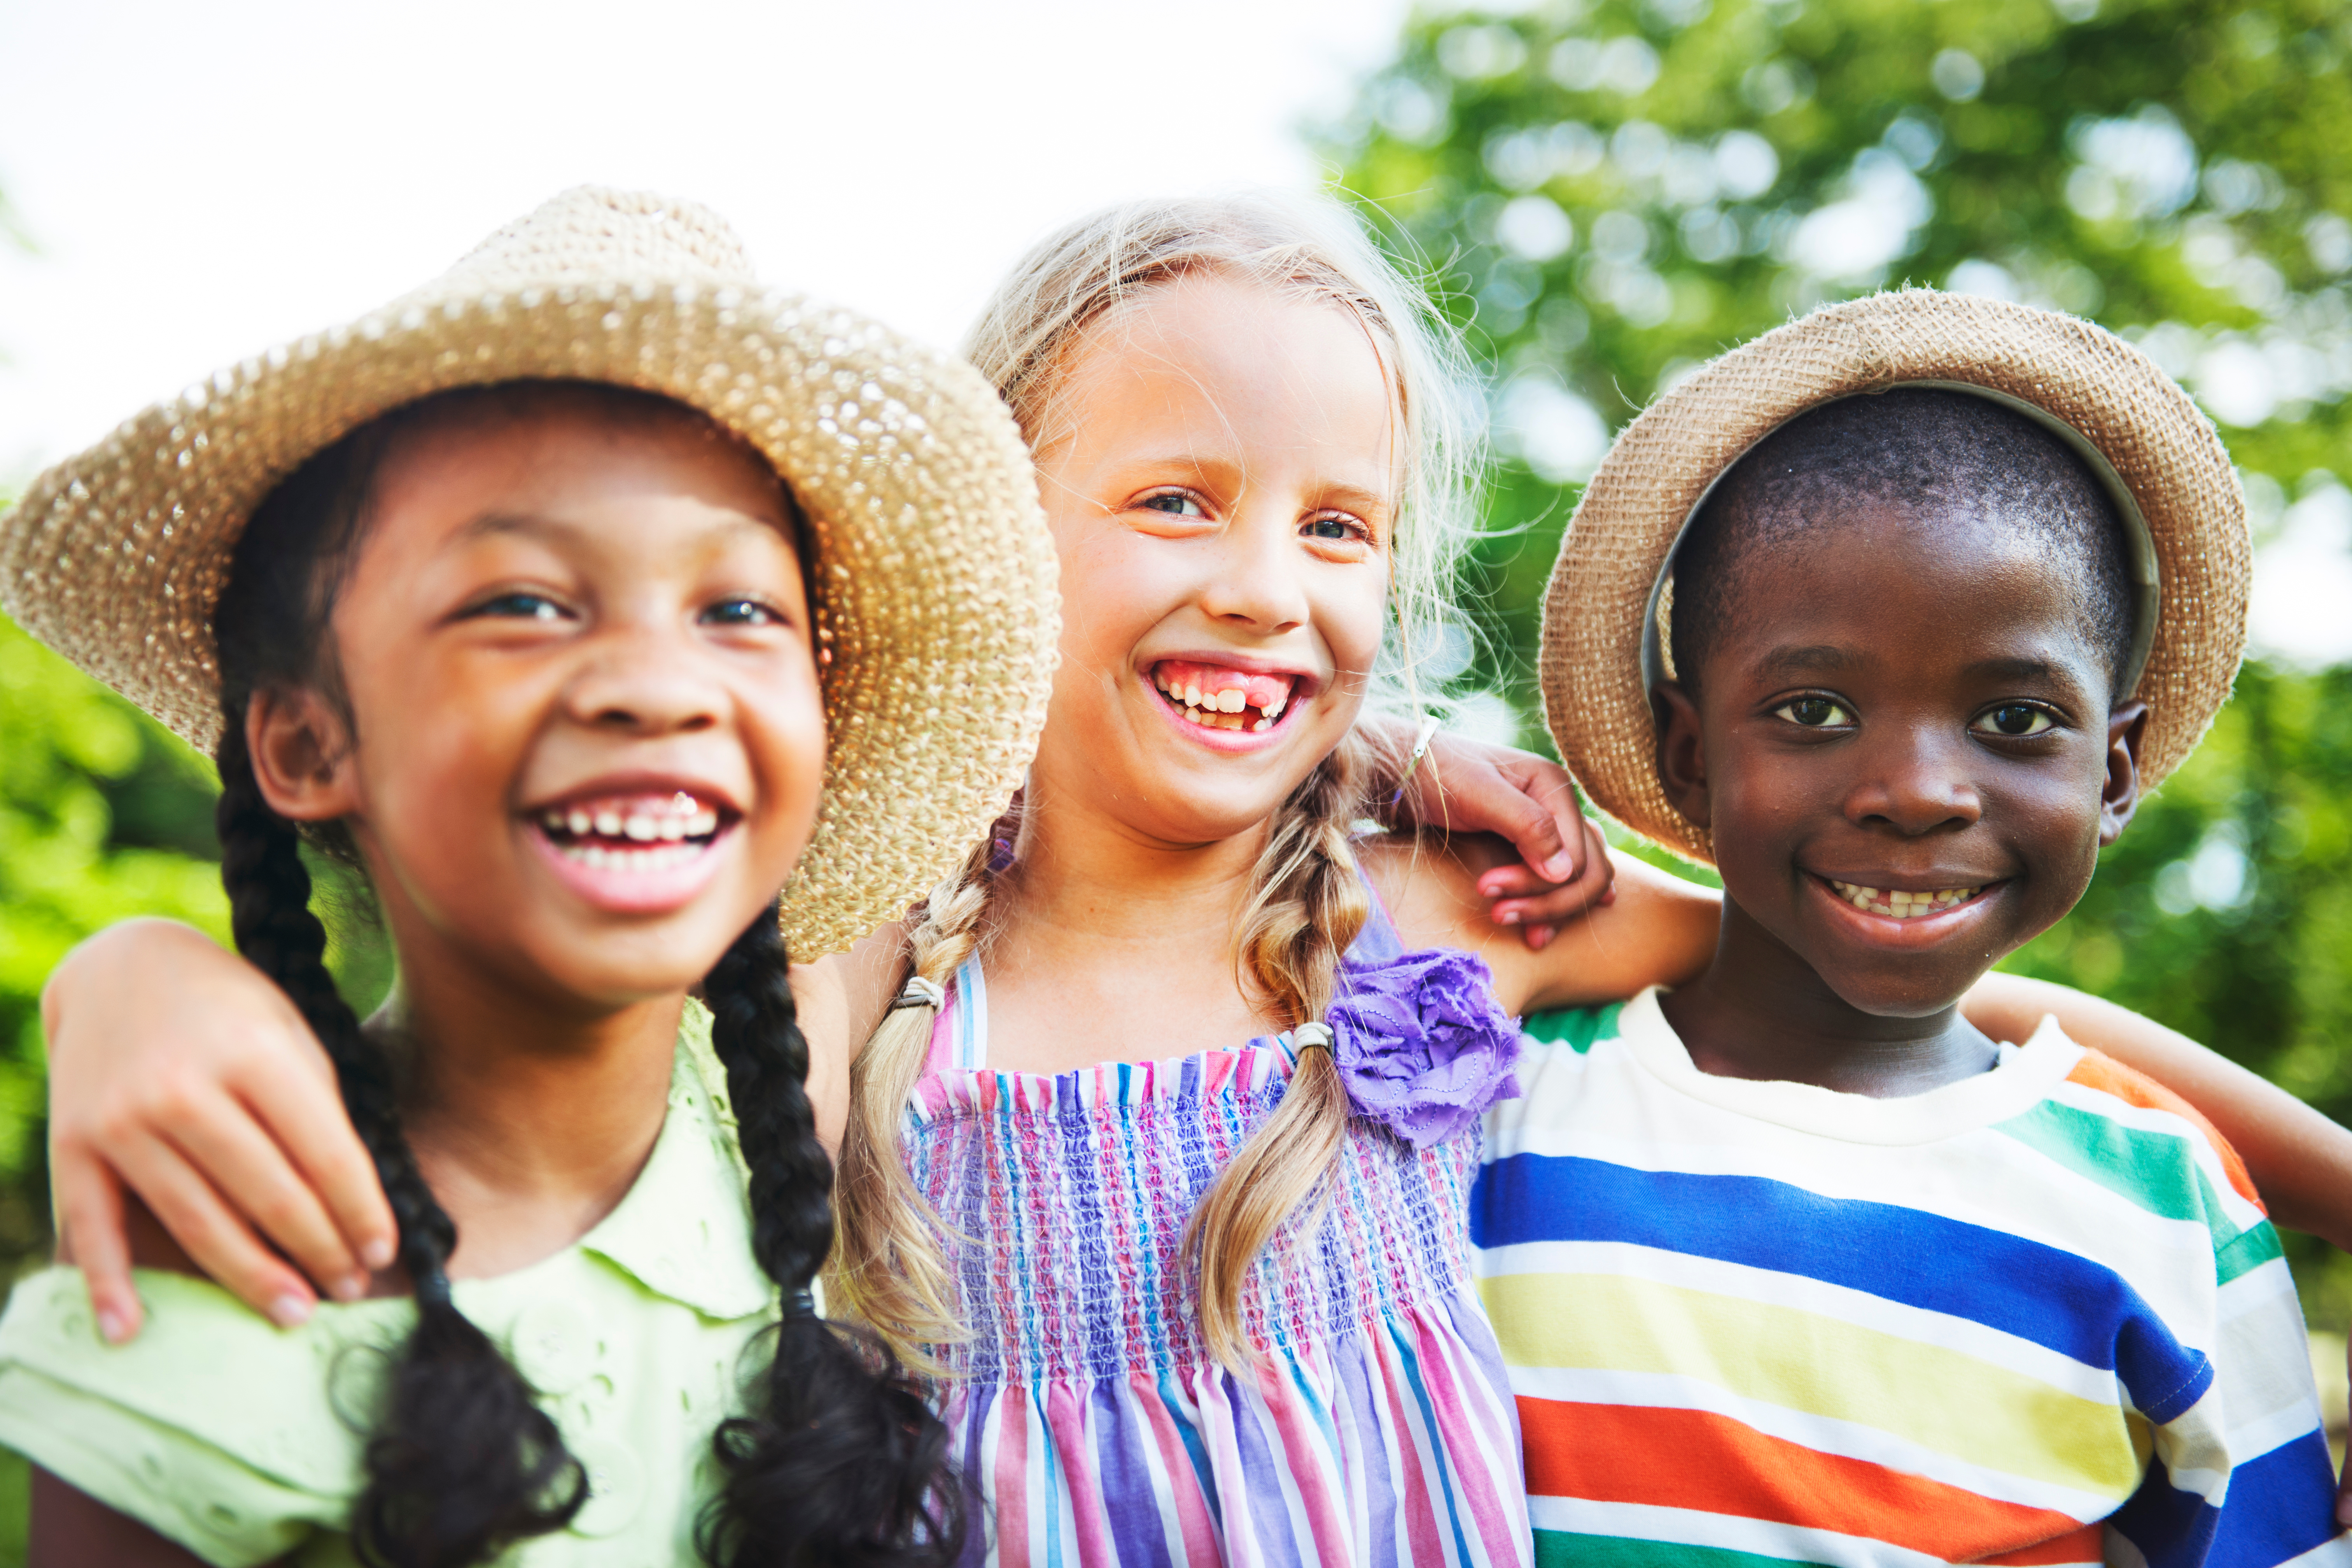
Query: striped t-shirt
{"x": 1752, "y": 1324}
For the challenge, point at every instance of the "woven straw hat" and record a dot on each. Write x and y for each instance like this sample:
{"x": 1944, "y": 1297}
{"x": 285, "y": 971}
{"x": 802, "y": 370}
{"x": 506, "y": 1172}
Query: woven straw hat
{"x": 1606, "y": 612}
{"x": 933, "y": 587}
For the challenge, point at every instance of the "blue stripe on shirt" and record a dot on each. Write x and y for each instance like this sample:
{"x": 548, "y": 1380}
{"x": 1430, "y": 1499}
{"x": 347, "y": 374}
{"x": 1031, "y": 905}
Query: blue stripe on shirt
{"x": 2052, "y": 1297}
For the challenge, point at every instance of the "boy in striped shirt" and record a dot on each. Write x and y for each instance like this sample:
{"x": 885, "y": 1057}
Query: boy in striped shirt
{"x": 1791, "y": 1264}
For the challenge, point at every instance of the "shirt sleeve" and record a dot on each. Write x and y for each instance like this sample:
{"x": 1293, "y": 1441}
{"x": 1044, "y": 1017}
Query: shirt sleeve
{"x": 2243, "y": 1477}
{"x": 213, "y": 1429}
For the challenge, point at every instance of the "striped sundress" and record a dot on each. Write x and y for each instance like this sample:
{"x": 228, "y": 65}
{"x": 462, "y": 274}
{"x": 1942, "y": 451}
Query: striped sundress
{"x": 1088, "y": 1419}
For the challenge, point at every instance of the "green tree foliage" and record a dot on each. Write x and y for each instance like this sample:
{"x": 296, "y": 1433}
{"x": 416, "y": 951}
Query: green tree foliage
{"x": 1616, "y": 189}
{"x": 104, "y": 814}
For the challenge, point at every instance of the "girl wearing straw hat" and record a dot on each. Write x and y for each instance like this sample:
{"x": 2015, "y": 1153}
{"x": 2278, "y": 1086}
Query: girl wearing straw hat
{"x": 581, "y": 598}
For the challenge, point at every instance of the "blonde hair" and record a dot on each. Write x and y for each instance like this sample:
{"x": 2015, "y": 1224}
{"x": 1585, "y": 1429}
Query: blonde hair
{"x": 1307, "y": 901}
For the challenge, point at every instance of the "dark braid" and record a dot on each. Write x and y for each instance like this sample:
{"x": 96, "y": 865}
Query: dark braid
{"x": 841, "y": 1461}
{"x": 460, "y": 1463}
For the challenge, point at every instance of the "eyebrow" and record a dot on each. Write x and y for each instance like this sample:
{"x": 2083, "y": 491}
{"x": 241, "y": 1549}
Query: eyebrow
{"x": 1811, "y": 659}
{"x": 2023, "y": 667}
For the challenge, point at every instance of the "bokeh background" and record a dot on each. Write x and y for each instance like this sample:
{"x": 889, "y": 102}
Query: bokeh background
{"x": 1604, "y": 193}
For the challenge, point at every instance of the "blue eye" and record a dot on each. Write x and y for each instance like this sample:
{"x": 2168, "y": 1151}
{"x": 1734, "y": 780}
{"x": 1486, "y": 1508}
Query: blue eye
{"x": 1814, "y": 714}
{"x": 1176, "y": 503}
{"x": 1332, "y": 528}
{"x": 525, "y": 606}
{"x": 740, "y": 613}
{"x": 2014, "y": 720}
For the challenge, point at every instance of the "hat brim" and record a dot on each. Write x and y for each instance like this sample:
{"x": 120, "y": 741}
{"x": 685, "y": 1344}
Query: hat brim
{"x": 1600, "y": 608}
{"x": 934, "y": 591}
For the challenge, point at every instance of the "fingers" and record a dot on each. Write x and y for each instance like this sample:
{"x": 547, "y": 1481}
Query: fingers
{"x": 306, "y": 1116}
{"x": 217, "y": 1242}
{"x": 90, "y": 1234}
{"x": 275, "y": 1193}
{"x": 1541, "y": 909}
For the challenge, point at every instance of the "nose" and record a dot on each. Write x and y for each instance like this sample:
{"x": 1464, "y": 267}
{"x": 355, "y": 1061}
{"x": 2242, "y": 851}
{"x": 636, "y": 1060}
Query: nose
{"x": 636, "y": 681}
{"x": 1916, "y": 780}
{"x": 1255, "y": 582}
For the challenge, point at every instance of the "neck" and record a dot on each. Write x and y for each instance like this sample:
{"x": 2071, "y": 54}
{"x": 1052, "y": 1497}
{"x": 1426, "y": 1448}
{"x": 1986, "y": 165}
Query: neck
{"x": 530, "y": 1121}
{"x": 1080, "y": 877}
{"x": 1761, "y": 1012}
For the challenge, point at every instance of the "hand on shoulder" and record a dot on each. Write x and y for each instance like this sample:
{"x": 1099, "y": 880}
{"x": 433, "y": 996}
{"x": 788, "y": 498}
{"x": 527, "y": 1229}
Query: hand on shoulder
{"x": 1656, "y": 929}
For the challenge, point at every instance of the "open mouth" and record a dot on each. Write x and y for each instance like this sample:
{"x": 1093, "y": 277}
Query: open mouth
{"x": 1215, "y": 696}
{"x": 1901, "y": 903}
{"x": 632, "y": 833}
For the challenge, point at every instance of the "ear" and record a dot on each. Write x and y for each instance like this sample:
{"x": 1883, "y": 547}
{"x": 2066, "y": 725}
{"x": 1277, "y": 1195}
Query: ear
{"x": 2119, "y": 797}
{"x": 301, "y": 756}
{"x": 1682, "y": 751}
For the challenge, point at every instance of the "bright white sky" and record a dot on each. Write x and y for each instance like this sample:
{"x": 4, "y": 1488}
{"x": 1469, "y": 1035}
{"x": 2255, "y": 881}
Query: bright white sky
{"x": 206, "y": 180}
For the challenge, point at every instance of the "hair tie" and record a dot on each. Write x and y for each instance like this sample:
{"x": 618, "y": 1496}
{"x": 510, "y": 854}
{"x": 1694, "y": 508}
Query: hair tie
{"x": 801, "y": 1303}
{"x": 919, "y": 993}
{"x": 1312, "y": 1036}
{"x": 1429, "y": 727}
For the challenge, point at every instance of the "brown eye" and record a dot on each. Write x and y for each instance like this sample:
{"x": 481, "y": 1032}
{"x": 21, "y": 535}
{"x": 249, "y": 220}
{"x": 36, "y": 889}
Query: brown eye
{"x": 2015, "y": 719}
{"x": 1813, "y": 713}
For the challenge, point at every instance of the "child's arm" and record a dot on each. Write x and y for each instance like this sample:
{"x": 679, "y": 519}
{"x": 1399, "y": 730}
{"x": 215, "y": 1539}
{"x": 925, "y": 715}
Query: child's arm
{"x": 70, "y": 1529}
{"x": 2301, "y": 1160}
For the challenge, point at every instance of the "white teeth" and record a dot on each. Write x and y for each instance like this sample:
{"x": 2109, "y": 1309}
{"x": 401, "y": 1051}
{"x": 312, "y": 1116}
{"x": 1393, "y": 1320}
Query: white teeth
{"x": 552, "y": 820}
{"x": 704, "y": 824}
{"x": 1903, "y": 903}
{"x": 577, "y": 822}
{"x": 1273, "y": 708}
{"x": 644, "y": 829}
{"x": 596, "y": 857}
{"x": 1233, "y": 700}
{"x": 1192, "y": 697}
{"x": 672, "y": 828}
{"x": 1263, "y": 724}
{"x": 608, "y": 822}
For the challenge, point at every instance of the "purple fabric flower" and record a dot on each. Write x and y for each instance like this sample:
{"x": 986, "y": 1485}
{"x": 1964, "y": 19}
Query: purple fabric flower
{"x": 1421, "y": 1044}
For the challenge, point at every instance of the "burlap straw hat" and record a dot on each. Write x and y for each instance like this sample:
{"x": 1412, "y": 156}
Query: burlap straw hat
{"x": 1603, "y": 640}
{"x": 934, "y": 590}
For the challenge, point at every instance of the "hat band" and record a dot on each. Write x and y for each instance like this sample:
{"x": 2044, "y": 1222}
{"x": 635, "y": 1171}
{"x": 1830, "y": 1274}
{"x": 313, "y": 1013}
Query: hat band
{"x": 2148, "y": 588}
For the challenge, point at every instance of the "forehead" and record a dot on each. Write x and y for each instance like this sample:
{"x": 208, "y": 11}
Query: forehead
{"x": 1235, "y": 369}
{"x": 1922, "y": 584}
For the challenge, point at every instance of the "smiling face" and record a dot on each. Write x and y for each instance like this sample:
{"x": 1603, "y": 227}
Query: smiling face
{"x": 1221, "y": 506}
{"x": 590, "y": 738}
{"x": 1901, "y": 739}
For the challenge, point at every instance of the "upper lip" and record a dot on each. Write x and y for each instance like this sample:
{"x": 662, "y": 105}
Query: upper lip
{"x": 604, "y": 786}
{"x": 1248, "y": 664}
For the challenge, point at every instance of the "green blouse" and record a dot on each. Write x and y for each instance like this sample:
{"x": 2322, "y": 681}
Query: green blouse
{"x": 234, "y": 1437}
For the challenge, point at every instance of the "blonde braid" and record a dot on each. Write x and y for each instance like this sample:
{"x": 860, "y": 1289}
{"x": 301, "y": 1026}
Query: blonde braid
{"x": 887, "y": 1268}
{"x": 1307, "y": 903}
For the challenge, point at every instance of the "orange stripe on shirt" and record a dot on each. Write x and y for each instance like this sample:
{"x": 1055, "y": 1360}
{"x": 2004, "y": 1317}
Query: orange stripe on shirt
{"x": 2109, "y": 1076}
{"x": 2088, "y": 1544}
{"x": 1704, "y": 1463}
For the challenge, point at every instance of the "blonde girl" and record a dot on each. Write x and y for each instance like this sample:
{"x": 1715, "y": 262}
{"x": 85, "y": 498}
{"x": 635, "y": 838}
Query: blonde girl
{"x": 510, "y": 601}
{"x": 1161, "y": 1161}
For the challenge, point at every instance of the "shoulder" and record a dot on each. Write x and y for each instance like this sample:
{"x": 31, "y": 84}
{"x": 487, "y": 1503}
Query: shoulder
{"x": 2131, "y": 1108}
{"x": 213, "y": 1428}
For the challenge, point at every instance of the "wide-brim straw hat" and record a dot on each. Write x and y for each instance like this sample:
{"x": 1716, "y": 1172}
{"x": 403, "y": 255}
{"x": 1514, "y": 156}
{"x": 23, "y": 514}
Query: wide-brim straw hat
{"x": 933, "y": 586}
{"x": 1606, "y": 613}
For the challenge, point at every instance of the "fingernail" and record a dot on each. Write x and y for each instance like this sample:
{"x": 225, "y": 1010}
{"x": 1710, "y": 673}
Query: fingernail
{"x": 1540, "y": 937}
{"x": 290, "y": 1311}
{"x": 1508, "y": 918}
{"x": 377, "y": 1254}
{"x": 1560, "y": 869}
{"x": 350, "y": 1287}
{"x": 112, "y": 1327}
{"x": 1607, "y": 898}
